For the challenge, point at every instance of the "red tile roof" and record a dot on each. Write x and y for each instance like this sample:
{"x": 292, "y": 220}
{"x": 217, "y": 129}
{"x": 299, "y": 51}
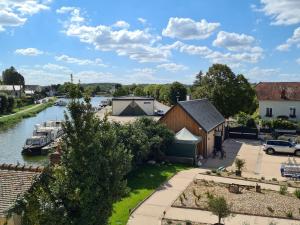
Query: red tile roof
{"x": 278, "y": 91}
{"x": 14, "y": 181}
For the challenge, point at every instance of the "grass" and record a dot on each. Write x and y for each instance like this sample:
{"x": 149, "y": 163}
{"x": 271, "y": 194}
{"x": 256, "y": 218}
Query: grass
{"x": 9, "y": 121}
{"x": 142, "y": 183}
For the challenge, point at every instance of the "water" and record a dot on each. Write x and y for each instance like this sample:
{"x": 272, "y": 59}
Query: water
{"x": 13, "y": 139}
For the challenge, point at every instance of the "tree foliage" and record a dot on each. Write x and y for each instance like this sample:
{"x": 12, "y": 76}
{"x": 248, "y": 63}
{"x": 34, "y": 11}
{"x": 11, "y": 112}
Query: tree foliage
{"x": 12, "y": 77}
{"x": 177, "y": 92}
{"x": 230, "y": 93}
{"x": 89, "y": 180}
{"x": 219, "y": 207}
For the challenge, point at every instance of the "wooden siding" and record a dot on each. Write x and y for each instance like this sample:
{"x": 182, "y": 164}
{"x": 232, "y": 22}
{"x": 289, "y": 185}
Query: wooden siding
{"x": 176, "y": 119}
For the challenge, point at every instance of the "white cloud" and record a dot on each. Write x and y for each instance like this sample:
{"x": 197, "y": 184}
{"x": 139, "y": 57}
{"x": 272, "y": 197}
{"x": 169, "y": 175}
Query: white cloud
{"x": 45, "y": 74}
{"x": 29, "y": 52}
{"x": 298, "y": 61}
{"x": 282, "y": 12}
{"x": 121, "y": 24}
{"x": 234, "y": 41}
{"x": 65, "y": 9}
{"x": 172, "y": 67}
{"x": 14, "y": 13}
{"x": 142, "y": 20}
{"x": 91, "y": 76}
{"x": 136, "y": 44}
{"x": 81, "y": 62}
{"x": 259, "y": 74}
{"x": 294, "y": 40}
{"x": 188, "y": 29}
{"x": 232, "y": 59}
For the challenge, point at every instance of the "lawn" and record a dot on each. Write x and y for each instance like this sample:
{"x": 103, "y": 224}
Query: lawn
{"x": 142, "y": 183}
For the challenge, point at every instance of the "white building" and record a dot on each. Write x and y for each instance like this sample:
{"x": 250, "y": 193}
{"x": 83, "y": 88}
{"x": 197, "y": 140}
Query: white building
{"x": 279, "y": 99}
{"x": 14, "y": 90}
{"x": 132, "y": 106}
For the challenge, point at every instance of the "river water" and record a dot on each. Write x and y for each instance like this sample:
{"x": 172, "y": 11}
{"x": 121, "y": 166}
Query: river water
{"x": 13, "y": 139}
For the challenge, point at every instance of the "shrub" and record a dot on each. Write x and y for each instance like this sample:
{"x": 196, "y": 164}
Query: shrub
{"x": 208, "y": 172}
{"x": 274, "y": 179}
{"x": 213, "y": 170}
{"x": 262, "y": 178}
{"x": 219, "y": 173}
{"x": 297, "y": 193}
{"x": 283, "y": 124}
{"x": 239, "y": 163}
{"x": 271, "y": 210}
{"x": 188, "y": 223}
{"x": 3, "y": 102}
{"x": 289, "y": 214}
{"x": 283, "y": 190}
{"x": 10, "y": 103}
{"x": 245, "y": 120}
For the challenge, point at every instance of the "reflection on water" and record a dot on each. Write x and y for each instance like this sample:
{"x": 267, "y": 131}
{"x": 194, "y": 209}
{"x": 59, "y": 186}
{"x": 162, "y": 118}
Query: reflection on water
{"x": 13, "y": 139}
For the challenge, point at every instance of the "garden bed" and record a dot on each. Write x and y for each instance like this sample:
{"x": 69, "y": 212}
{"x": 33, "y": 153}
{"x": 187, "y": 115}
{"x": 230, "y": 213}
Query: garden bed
{"x": 267, "y": 203}
{"x": 231, "y": 174}
{"x": 180, "y": 222}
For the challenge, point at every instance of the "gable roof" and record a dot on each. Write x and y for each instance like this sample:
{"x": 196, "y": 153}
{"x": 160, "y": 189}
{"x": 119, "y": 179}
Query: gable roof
{"x": 203, "y": 112}
{"x": 14, "y": 181}
{"x": 278, "y": 91}
{"x": 185, "y": 136}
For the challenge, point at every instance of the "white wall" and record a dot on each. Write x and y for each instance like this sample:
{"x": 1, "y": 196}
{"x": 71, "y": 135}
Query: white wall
{"x": 119, "y": 105}
{"x": 279, "y": 108}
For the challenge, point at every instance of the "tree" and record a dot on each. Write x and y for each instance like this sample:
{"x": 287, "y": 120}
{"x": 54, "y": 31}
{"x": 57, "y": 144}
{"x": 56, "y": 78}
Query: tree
{"x": 89, "y": 180}
{"x": 121, "y": 91}
{"x": 10, "y": 103}
{"x": 228, "y": 92}
{"x": 239, "y": 164}
{"x": 219, "y": 207}
{"x": 177, "y": 92}
{"x": 12, "y": 77}
{"x": 3, "y": 102}
{"x": 139, "y": 91}
{"x": 198, "y": 79}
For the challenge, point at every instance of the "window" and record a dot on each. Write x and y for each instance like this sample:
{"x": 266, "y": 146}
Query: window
{"x": 269, "y": 112}
{"x": 292, "y": 112}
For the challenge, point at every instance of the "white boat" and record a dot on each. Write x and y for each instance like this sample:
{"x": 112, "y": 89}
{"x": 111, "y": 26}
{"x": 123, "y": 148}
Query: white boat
{"x": 105, "y": 102}
{"x": 60, "y": 103}
{"x": 34, "y": 145}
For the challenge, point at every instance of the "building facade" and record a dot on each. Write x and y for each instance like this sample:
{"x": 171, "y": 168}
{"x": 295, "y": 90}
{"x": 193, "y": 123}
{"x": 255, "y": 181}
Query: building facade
{"x": 279, "y": 100}
{"x": 132, "y": 106}
{"x": 200, "y": 118}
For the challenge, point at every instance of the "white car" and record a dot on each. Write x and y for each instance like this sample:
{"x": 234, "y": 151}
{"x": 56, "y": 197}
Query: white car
{"x": 159, "y": 112}
{"x": 273, "y": 146}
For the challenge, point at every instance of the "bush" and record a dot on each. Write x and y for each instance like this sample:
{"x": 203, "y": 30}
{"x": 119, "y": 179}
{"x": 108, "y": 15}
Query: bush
{"x": 297, "y": 193}
{"x": 239, "y": 164}
{"x": 245, "y": 120}
{"x": 10, "y": 103}
{"x": 283, "y": 190}
{"x": 289, "y": 214}
{"x": 283, "y": 124}
{"x": 3, "y": 102}
{"x": 219, "y": 207}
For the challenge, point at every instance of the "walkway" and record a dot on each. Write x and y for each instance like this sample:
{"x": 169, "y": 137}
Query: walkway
{"x": 22, "y": 111}
{"x": 152, "y": 210}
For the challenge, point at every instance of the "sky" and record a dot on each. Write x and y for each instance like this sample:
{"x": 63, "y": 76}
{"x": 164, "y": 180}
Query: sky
{"x": 157, "y": 41}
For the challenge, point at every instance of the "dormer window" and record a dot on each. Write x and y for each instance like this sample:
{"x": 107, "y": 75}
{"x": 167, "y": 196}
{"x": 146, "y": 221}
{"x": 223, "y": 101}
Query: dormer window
{"x": 292, "y": 112}
{"x": 269, "y": 112}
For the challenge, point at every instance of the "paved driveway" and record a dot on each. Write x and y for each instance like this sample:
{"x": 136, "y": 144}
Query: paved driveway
{"x": 258, "y": 163}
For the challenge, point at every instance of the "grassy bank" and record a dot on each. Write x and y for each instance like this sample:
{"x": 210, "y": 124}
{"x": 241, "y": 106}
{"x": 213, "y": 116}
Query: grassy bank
{"x": 142, "y": 183}
{"x": 10, "y": 120}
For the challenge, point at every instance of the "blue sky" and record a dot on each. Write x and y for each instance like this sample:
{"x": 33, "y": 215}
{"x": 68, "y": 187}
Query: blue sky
{"x": 149, "y": 41}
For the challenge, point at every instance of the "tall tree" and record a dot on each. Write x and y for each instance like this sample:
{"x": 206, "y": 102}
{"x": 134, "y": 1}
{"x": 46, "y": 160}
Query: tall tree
{"x": 228, "y": 92}
{"x": 178, "y": 92}
{"x": 12, "y": 77}
{"x": 89, "y": 180}
{"x": 198, "y": 79}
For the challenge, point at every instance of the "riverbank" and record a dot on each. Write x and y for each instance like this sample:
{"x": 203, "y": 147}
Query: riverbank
{"x": 10, "y": 120}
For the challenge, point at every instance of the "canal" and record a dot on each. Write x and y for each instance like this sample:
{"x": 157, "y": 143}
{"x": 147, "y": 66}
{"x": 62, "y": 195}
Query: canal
{"x": 13, "y": 139}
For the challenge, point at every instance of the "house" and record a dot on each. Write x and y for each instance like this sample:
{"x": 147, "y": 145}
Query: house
{"x": 14, "y": 90}
{"x": 132, "y": 106}
{"x": 15, "y": 180}
{"x": 202, "y": 119}
{"x": 34, "y": 88}
{"x": 279, "y": 100}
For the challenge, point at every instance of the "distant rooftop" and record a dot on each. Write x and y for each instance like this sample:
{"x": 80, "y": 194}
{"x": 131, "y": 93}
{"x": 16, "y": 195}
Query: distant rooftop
{"x": 14, "y": 181}
{"x": 132, "y": 98}
{"x": 278, "y": 91}
{"x": 10, "y": 87}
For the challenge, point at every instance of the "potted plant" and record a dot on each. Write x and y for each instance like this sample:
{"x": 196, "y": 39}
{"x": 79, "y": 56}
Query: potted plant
{"x": 219, "y": 207}
{"x": 239, "y": 164}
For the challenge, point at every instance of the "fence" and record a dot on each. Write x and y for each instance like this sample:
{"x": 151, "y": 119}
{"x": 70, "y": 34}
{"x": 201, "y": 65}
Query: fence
{"x": 242, "y": 132}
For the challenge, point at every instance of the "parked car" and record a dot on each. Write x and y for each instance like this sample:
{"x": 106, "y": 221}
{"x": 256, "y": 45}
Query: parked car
{"x": 273, "y": 146}
{"x": 159, "y": 112}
